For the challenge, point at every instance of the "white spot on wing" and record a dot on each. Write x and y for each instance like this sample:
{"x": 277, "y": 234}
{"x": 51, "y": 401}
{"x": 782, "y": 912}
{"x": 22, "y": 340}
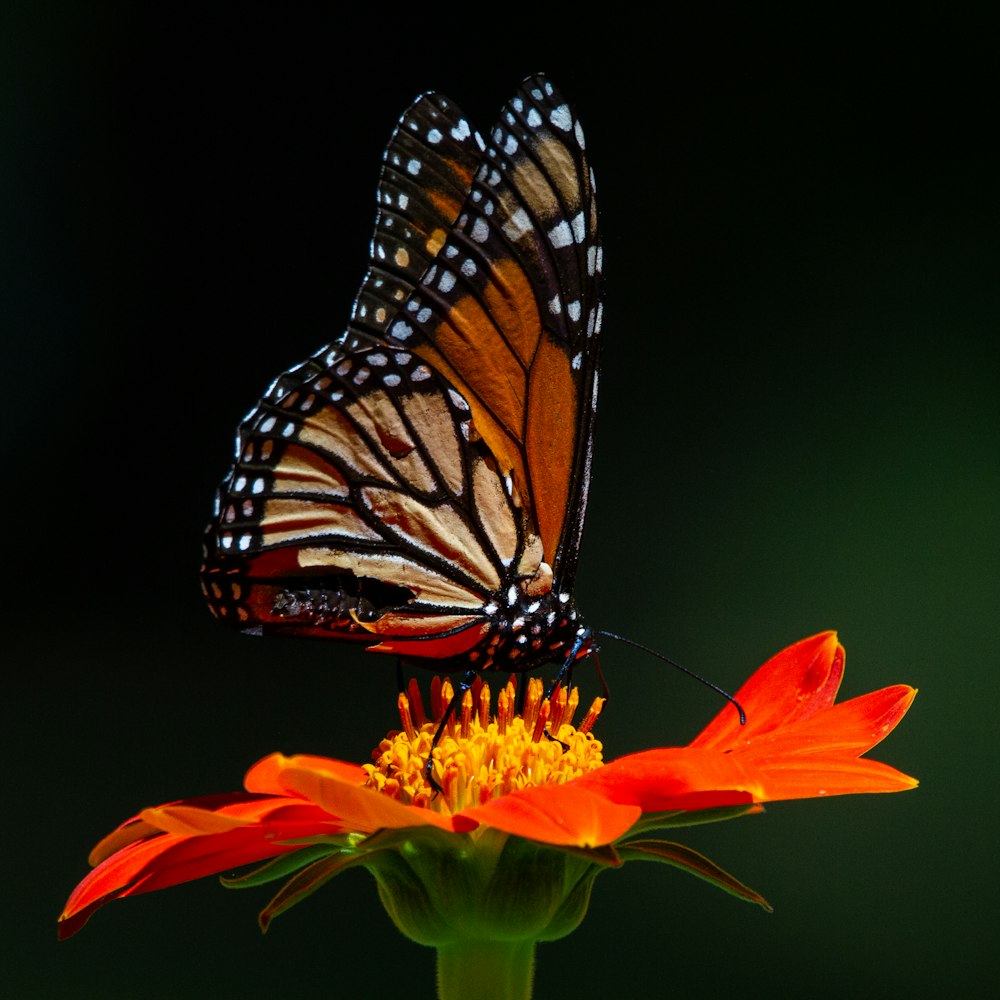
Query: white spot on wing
{"x": 480, "y": 231}
{"x": 561, "y": 118}
{"x": 560, "y": 235}
{"x": 517, "y": 225}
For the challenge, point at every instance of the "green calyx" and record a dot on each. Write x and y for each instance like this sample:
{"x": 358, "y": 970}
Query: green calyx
{"x": 443, "y": 889}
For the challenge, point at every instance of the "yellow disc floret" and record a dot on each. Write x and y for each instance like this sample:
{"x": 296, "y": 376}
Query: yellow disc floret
{"x": 480, "y": 756}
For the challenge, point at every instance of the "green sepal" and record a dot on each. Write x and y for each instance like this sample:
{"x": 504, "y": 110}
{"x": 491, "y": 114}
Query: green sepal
{"x": 605, "y": 856}
{"x": 306, "y": 882}
{"x": 679, "y": 856}
{"x": 280, "y": 867}
{"x": 681, "y": 817}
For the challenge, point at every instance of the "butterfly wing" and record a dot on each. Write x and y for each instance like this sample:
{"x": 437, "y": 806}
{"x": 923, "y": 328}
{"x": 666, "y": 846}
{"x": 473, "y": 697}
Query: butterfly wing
{"x": 432, "y": 465}
{"x": 426, "y": 172}
{"x": 510, "y": 311}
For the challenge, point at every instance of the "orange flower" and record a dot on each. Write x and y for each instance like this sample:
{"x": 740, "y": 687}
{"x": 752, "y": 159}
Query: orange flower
{"x": 502, "y": 780}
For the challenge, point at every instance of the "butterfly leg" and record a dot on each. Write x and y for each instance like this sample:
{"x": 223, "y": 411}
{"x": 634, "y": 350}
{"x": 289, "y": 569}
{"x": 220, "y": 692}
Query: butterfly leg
{"x": 566, "y": 670}
{"x": 566, "y": 674}
{"x": 468, "y": 679}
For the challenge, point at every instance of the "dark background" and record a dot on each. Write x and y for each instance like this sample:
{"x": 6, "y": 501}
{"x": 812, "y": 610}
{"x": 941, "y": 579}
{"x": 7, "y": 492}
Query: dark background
{"x": 798, "y": 431}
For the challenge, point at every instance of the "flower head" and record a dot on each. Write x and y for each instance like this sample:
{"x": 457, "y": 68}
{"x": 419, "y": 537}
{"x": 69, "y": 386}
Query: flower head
{"x": 518, "y": 793}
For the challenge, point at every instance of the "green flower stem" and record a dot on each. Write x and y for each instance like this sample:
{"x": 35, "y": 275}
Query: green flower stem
{"x": 486, "y": 970}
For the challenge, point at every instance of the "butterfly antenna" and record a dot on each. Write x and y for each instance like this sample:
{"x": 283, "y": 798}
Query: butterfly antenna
{"x": 682, "y": 669}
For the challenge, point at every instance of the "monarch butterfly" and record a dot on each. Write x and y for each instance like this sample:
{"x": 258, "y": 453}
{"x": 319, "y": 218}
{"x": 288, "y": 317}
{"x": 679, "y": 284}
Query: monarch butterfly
{"x": 420, "y": 484}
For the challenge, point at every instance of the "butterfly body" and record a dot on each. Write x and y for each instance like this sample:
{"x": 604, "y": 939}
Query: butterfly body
{"x": 419, "y": 485}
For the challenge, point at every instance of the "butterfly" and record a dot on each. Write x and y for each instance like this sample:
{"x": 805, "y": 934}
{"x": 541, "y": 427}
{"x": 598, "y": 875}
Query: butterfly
{"x": 420, "y": 484}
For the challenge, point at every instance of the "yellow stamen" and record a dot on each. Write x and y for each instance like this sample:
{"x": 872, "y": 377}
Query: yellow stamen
{"x": 406, "y": 717}
{"x": 416, "y": 702}
{"x": 592, "y": 714}
{"x": 479, "y": 756}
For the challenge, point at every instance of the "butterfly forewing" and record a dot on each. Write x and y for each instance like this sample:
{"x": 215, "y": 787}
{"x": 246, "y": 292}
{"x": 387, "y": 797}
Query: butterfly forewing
{"x": 426, "y": 172}
{"x": 510, "y": 310}
{"x": 421, "y": 483}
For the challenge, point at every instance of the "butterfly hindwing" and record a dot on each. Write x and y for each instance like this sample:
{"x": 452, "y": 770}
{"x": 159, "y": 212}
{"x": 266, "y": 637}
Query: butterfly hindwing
{"x": 363, "y": 506}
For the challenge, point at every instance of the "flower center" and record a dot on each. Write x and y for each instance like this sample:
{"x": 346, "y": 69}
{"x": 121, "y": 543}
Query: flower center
{"x": 480, "y": 756}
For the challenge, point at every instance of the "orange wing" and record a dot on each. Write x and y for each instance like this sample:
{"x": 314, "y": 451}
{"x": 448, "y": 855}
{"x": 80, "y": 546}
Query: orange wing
{"x": 510, "y": 311}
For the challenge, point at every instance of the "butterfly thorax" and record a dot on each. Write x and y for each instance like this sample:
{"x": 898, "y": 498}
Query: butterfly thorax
{"x": 526, "y": 630}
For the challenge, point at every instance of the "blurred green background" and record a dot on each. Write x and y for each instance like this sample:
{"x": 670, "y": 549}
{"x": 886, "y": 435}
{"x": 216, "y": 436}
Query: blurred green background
{"x": 798, "y": 431}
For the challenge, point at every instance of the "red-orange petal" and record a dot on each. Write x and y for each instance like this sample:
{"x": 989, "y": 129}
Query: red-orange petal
{"x": 794, "y": 684}
{"x": 263, "y": 827}
{"x": 819, "y": 776}
{"x": 169, "y": 859}
{"x": 849, "y": 729}
{"x": 672, "y": 778}
{"x": 137, "y": 828}
{"x": 564, "y": 815}
{"x": 265, "y": 775}
{"x": 360, "y": 809}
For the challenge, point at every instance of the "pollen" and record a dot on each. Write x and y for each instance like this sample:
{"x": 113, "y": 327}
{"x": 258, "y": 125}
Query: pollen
{"x": 484, "y": 751}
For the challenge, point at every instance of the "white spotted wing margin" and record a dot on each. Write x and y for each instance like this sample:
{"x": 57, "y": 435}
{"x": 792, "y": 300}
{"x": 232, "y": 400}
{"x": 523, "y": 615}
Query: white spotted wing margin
{"x": 426, "y": 172}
